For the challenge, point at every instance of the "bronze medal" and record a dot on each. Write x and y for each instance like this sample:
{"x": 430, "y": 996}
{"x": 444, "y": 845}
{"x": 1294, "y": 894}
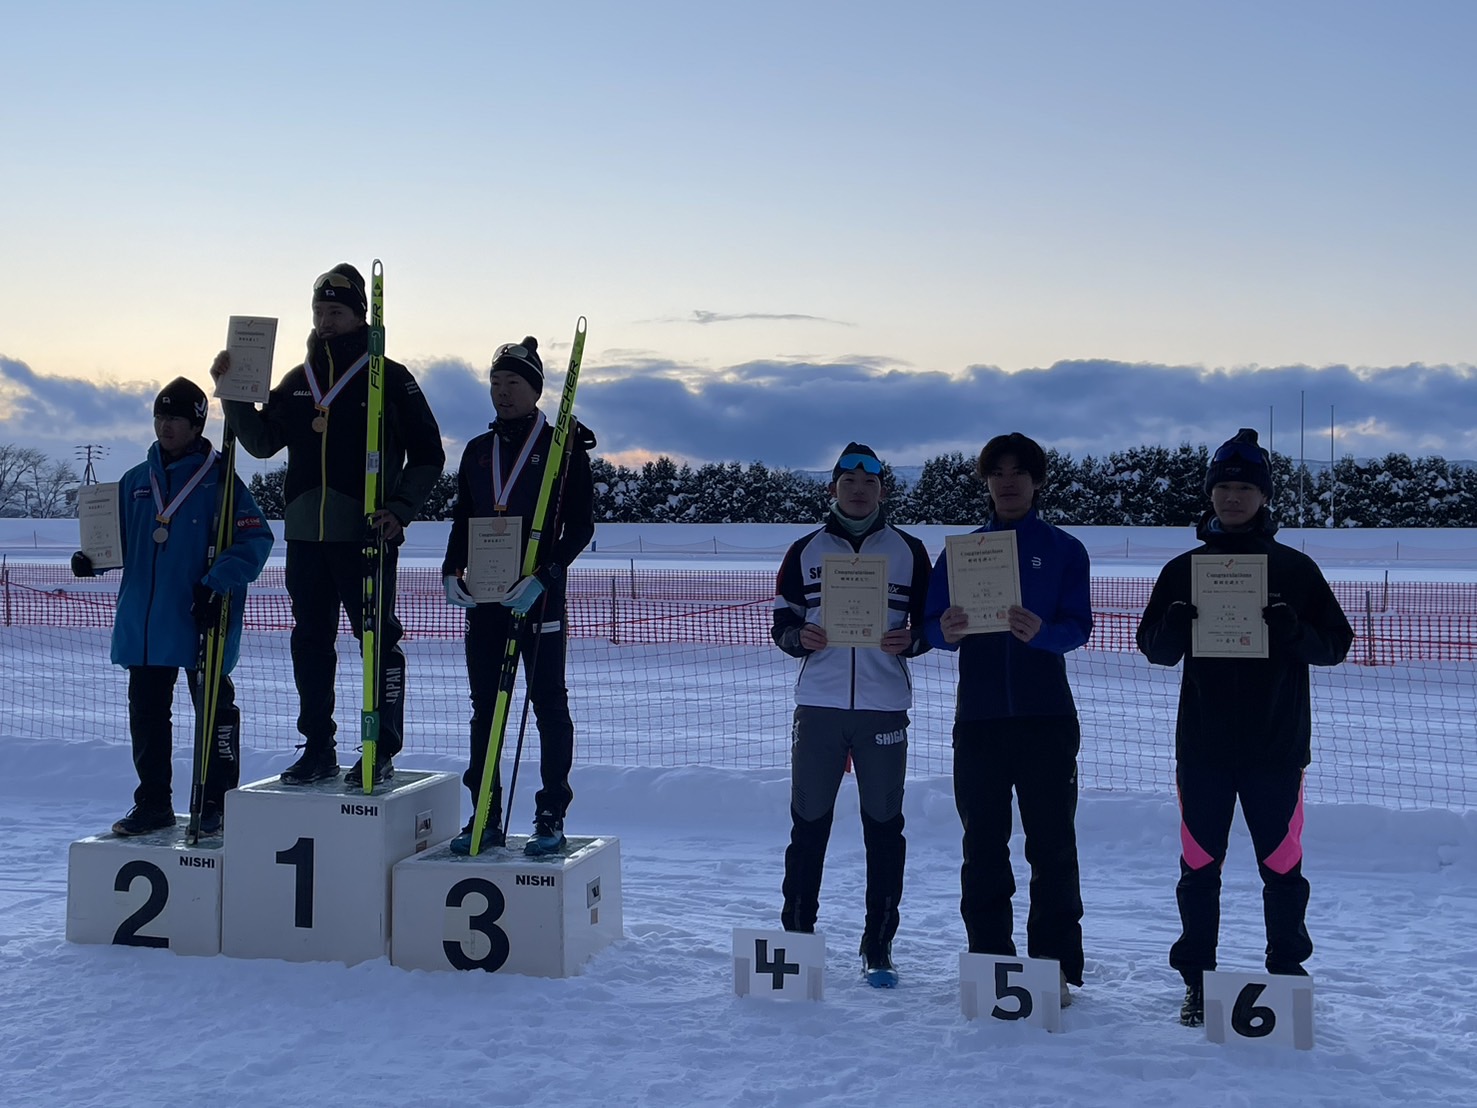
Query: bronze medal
{"x": 320, "y": 424}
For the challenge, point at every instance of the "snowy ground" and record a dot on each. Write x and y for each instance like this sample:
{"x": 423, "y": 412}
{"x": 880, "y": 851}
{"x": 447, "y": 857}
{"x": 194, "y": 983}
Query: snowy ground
{"x": 653, "y": 1020}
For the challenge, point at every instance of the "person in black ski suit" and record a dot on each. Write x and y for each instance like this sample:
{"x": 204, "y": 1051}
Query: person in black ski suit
{"x": 499, "y": 479}
{"x": 850, "y": 701}
{"x": 1244, "y": 729}
{"x": 318, "y": 412}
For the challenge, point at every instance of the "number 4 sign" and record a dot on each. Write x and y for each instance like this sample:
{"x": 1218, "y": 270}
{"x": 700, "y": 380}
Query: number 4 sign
{"x": 1011, "y": 989}
{"x": 1266, "y": 1008}
{"x": 787, "y": 965}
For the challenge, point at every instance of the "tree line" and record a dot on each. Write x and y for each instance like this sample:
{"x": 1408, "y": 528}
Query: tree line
{"x": 1144, "y": 486}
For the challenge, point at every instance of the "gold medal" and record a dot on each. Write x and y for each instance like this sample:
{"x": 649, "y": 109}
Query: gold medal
{"x": 320, "y": 424}
{"x": 161, "y": 533}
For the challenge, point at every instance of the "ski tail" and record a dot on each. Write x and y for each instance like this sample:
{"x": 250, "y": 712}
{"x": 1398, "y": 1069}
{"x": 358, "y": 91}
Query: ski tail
{"x": 374, "y": 542}
{"x": 509, "y": 672}
{"x": 211, "y": 658}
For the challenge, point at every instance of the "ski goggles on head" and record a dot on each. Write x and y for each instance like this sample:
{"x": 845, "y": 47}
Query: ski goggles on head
{"x": 337, "y": 280}
{"x": 859, "y": 461}
{"x": 511, "y": 350}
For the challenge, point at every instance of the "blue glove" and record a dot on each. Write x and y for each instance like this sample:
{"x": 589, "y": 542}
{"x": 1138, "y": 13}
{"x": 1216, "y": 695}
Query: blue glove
{"x": 456, "y": 592}
{"x": 523, "y": 595}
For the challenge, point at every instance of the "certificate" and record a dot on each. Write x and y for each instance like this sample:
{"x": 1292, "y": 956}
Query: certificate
{"x": 984, "y": 578}
{"x": 854, "y": 599}
{"x": 250, "y": 341}
{"x": 494, "y": 556}
{"x": 102, "y": 537}
{"x": 1229, "y": 591}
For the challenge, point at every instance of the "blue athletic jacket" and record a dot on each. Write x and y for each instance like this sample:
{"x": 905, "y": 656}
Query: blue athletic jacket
{"x": 999, "y": 675}
{"x": 153, "y": 625}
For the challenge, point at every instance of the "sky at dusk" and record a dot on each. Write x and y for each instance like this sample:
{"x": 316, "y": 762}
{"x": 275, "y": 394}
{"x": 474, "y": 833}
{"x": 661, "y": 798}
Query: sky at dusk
{"x": 789, "y": 225}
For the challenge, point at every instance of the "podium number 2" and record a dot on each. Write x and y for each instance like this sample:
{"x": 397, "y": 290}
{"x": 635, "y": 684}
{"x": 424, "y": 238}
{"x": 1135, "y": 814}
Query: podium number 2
{"x": 300, "y": 857}
{"x": 1248, "y": 1019}
{"x": 1004, "y": 989}
{"x": 482, "y": 923}
{"x": 127, "y": 933}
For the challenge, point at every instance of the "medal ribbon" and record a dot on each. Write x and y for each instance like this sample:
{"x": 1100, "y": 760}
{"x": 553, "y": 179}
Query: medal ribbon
{"x": 163, "y": 514}
{"x": 500, "y": 488}
{"x": 321, "y": 399}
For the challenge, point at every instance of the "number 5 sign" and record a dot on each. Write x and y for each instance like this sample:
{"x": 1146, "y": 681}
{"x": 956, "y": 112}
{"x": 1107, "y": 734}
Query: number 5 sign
{"x": 1011, "y": 989}
{"x": 1269, "y": 1008}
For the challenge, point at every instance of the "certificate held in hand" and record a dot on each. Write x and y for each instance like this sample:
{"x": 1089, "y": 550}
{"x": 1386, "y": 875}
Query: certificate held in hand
{"x": 494, "y": 556}
{"x": 854, "y": 599}
{"x": 984, "y": 578}
{"x": 1229, "y": 592}
{"x": 102, "y": 534}
{"x": 250, "y": 340}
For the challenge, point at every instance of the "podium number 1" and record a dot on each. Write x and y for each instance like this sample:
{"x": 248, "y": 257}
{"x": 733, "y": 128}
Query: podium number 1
{"x": 300, "y": 857}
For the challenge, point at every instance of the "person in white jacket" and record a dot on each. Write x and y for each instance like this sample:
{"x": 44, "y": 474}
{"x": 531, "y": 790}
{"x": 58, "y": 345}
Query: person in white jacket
{"x": 851, "y": 701}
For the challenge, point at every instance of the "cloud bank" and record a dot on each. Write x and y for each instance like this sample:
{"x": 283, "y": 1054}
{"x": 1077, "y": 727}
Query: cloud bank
{"x": 797, "y": 413}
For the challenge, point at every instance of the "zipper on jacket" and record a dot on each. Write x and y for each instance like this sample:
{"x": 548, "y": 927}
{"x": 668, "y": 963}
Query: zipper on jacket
{"x": 323, "y": 458}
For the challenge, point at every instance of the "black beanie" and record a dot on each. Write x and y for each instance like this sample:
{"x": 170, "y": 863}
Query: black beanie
{"x": 854, "y": 448}
{"x": 520, "y": 358}
{"x": 182, "y": 399}
{"x": 343, "y": 284}
{"x": 1241, "y": 459}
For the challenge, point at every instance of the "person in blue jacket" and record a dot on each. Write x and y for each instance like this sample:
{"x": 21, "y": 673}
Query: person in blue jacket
{"x": 169, "y": 593}
{"x": 1015, "y": 724}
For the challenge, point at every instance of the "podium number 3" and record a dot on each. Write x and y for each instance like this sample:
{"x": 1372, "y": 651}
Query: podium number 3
{"x": 300, "y": 857}
{"x": 482, "y": 923}
{"x": 127, "y": 933}
{"x": 1248, "y": 1019}
{"x": 1005, "y": 990}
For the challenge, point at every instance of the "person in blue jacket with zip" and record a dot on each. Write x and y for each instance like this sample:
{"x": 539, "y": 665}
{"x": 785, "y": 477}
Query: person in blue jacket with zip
{"x": 169, "y": 594}
{"x": 1015, "y": 724}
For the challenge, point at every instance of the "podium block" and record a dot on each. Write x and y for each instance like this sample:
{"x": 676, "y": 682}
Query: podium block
{"x": 309, "y": 874}
{"x": 1265, "y": 1009}
{"x": 148, "y": 890}
{"x": 504, "y": 912}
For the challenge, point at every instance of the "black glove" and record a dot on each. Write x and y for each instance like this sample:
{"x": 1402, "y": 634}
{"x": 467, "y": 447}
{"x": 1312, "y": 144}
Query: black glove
{"x": 82, "y": 565}
{"x": 207, "y": 607}
{"x": 1282, "y": 622}
{"x": 1179, "y": 616}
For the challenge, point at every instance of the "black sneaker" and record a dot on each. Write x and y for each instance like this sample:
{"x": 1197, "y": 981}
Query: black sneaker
{"x": 140, "y": 821}
{"x": 548, "y": 834}
{"x": 492, "y": 837}
{"x": 1192, "y": 1011}
{"x": 212, "y": 819}
{"x": 877, "y": 965}
{"x": 312, "y": 765}
{"x": 384, "y": 769}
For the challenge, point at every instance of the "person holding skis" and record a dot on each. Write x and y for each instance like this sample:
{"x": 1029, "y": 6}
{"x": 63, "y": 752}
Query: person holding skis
{"x": 1244, "y": 728}
{"x": 318, "y": 413}
{"x": 498, "y": 485}
{"x": 850, "y": 702}
{"x": 170, "y": 593}
{"x": 1015, "y": 724}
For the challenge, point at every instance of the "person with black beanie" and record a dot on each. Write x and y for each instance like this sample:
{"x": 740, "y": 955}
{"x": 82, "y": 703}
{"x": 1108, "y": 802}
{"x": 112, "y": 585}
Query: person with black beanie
{"x": 317, "y": 411}
{"x": 498, "y": 482}
{"x": 1244, "y": 728}
{"x": 169, "y": 594}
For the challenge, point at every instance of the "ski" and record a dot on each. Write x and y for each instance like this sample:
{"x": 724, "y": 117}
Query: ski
{"x": 374, "y": 542}
{"x": 212, "y": 652}
{"x": 552, "y": 466}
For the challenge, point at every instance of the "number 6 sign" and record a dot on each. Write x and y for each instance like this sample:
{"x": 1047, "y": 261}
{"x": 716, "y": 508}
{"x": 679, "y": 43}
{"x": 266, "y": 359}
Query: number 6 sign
{"x": 1263, "y": 1008}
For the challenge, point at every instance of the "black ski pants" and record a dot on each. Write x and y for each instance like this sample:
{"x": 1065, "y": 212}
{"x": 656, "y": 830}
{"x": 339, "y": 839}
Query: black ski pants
{"x": 821, "y": 738}
{"x": 1272, "y": 805}
{"x": 321, "y": 577}
{"x": 150, "y": 725}
{"x": 1036, "y": 756}
{"x": 541, "y": 650}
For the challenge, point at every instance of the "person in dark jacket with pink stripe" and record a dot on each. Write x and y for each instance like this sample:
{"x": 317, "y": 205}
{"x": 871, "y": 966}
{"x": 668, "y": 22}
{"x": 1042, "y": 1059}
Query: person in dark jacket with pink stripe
{"x": 1244, "y": 729}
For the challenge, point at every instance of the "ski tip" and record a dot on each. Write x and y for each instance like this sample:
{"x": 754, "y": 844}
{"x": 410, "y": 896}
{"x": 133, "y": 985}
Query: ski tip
{"x": 377, "y": 269}
{"x": 580, "y": 325}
